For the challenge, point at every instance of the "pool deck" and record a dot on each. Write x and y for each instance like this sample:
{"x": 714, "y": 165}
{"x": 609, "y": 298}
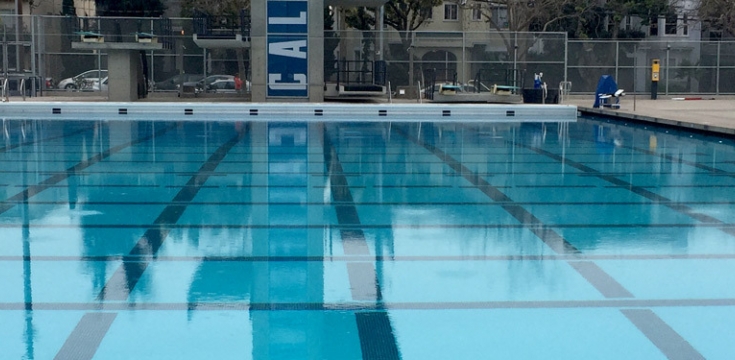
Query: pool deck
{"x": 716, "y": 115}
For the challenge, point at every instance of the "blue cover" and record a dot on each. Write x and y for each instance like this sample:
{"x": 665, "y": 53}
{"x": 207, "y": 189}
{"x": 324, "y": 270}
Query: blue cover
{"x": 606, "y": 85}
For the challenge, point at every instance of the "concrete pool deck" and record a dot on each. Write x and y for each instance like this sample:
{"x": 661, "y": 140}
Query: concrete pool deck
{"x": 716, "y": 115}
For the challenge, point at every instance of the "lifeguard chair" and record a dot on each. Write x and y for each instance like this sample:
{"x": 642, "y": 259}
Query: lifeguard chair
{"x": 607, "y": 93}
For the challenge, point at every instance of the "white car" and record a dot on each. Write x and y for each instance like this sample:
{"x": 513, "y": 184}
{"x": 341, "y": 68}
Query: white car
{"x": 84, "y": 80}
{"x": 227, "y": 86}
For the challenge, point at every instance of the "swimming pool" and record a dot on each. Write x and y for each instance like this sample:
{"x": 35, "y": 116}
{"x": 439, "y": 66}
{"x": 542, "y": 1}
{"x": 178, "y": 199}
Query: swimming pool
{"x": 375, "y": 240}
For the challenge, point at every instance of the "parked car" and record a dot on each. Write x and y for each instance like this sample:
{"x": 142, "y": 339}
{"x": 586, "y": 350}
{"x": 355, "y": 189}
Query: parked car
{"x": 205, "y": 84}
{"x": 96, "y": 85}
{"x": 175, "y": 81}
{"x": 227, "y": 86}
{"x": 82, "y": 81}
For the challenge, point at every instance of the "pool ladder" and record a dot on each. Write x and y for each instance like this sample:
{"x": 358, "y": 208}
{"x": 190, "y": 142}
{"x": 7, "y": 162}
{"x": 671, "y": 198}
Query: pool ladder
{"x": 5, "y": 93}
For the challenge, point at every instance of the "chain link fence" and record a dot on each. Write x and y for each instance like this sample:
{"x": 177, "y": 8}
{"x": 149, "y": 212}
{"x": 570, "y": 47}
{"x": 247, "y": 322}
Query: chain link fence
{"x": 39, "y": 48}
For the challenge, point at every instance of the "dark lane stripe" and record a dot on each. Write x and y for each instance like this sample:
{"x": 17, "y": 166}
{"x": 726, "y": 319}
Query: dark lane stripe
{"x": 363, "y": 284}
{"x": 31, "y": 142}
{"x": 377, "y": 340}
{"x": 375, "y": 331}
{"x": 549, "y": 236}
{"x": 123, "y": 281}
{"x": 671, "y": 344}
{"x": 86, "y": 337}
{"x": 59, "y": 177}
{"x": 603, "y": 282}
{"x": 623, "y": 184}
{"x": 353, "y": 240}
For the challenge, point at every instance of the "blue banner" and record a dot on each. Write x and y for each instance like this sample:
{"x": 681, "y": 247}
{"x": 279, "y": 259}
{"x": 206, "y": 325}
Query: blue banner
{"x": 287, "y": 39}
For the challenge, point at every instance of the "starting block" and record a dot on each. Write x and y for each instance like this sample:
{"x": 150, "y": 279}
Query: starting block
{"x": 88, "y": 36}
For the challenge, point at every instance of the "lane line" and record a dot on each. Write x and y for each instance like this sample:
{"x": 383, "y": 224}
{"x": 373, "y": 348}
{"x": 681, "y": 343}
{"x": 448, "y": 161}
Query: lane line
{"x": 602, "y": 281}
{"x": 58, "y": 177}
{"x": 548, "y": 235}
{"x": 377, "y": 340}
{"x": 666, "y": 339}
{"x": 86, "y": 337}
{"x": 34, "y": 141}
{"x": 353, "y": 241}
{"x": 363, "y": 283}
{"x": 127, "y": 275}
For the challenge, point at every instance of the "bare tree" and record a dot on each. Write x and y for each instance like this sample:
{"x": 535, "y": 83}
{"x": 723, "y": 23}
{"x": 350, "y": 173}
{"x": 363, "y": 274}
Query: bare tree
{"x": 718, "y": 15}
{"x": 405, "y": 16}
{"x": 526, "y": 15}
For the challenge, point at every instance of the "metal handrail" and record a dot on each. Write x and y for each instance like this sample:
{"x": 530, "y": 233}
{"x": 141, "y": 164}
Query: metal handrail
{"x": 390, "y": 95}
{"x": 23, "y": 88}
{"x": 418, "y": 91}
{"x": 4, "y": 95}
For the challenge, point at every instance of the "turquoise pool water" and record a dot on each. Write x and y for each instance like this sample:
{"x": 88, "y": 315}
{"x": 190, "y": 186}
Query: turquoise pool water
{"x": 257, "y": 240}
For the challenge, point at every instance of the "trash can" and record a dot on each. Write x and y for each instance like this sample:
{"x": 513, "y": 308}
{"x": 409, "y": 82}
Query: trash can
{"x": 533, "y": 96}
{"x": 552, "y": 96}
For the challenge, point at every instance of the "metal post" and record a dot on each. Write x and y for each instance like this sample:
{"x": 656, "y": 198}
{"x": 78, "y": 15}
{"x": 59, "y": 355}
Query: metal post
{"x": 39, "y": 49}
{"x": 515, "y": 59}
{"x": 668, "y": 48}
{"x": 33, "y": 56}
{"x": 617, "y": 57}
{"x": 381, "y": 15}
{"x": 635, "y": 73}
{"x": 5, "y": 52}
{"x": 99, "y": 60}
{"x": 151, "y": 67}
{"x": 566, "y": 54}
{"x": 464, "y": 60}
{"x": 18, "y": 44}
{"x": 717, "y": 82}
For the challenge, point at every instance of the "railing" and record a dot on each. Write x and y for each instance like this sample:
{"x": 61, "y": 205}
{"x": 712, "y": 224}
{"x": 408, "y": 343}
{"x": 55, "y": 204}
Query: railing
{"x": 390, "y": 95}
{"x": 4, "y": 94}
{"x": 222, "y": 26}
{"x": 22, "y": 88}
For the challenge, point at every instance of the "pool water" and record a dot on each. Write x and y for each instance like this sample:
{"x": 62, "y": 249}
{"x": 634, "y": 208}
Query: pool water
{"x": 255, "y": 240}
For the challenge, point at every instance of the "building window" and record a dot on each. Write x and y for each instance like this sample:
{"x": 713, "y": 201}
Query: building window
{"x": 685, "y": 25}
{"x": 500, "y": 16}
{"x": 477, "y": 12}
{"x": 427, "y": 13}
{"x": 628, "y": 23}
{"x": 670, "y": 26}
{"x": 450, "y": 11}
{"x": 653, "y": 27}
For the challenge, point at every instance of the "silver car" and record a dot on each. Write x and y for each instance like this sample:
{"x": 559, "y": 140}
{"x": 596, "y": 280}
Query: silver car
{"x": 85, "y": 80}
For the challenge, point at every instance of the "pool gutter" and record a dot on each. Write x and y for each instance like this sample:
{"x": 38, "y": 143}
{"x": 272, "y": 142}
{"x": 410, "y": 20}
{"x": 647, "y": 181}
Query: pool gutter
{"x": 288, "y": 111}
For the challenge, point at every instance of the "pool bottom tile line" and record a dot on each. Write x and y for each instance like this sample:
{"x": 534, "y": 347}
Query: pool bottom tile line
{"x": 366, "y": 258}
{"x": 620, "y": 303}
